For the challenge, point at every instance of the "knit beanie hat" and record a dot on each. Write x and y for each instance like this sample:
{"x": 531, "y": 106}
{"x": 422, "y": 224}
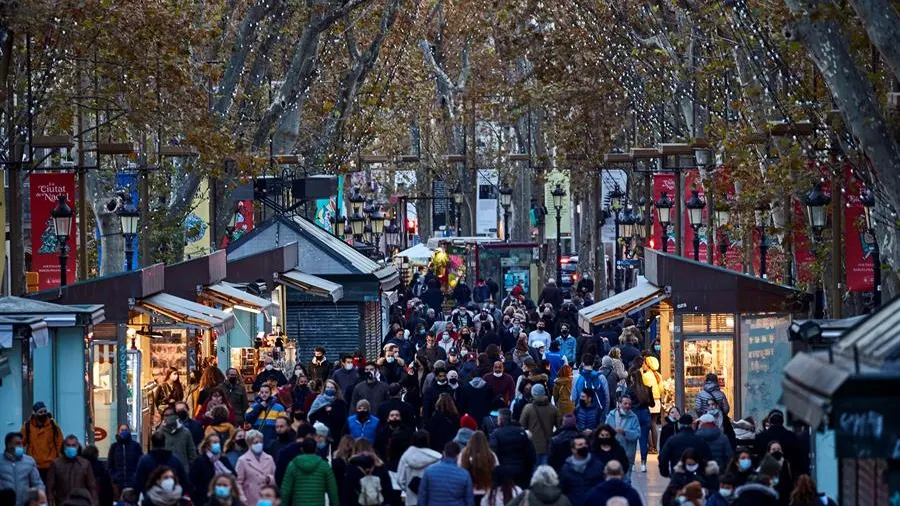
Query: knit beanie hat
{"x": 468, "y": 422}
{"x": 769, "y": 467}
{"x": 463, "y": 436}
{"x": 538, "y": 390}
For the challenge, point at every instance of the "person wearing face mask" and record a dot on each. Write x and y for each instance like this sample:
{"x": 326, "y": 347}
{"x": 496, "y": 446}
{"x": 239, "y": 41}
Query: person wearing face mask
{"x": 501, "y": 384}
{"x": 797, "y": 458}
{"x": 540, "y": 335}
{"x": 669, "y": 427}
{"x": 319, "y": 367}
{"x": 178, "y": 439}
{"x": 681, "y": 442}
{"x": 581, "y": 472}
{"x": 347, "y": 376}
{"x": 165, "y": 489}
{"x": 284, "y": 436}
{"x": 605, "y": 447}
{"x": 431, "y": 352}
{"x": 439, "y": 386}
{"x": 300, "y": 392}
{"x": 725, "y": 495}
{"x": 372, "y": 389}
{"x": 309, "y": 479}
{"x": 236, "y": 446}
{"x": 741, "y": 467}
{"x": 391, "y": 364}
{"x": 255, "y": 469}
{"x": 18, "y": 471}
{"x": 269, "y": 372}
{"x": 329, "y": 408}
{"x": 761, "y": 489}
{"x": 567, "y": 343}
{"x": 42, "y": 438}
{"x": 783, "y": 482}
{"x": 224, "y": 491}
{"x": 209, "y": 464}
{"x": 691, "y": 467}
{"x": 269, "y": 495}
{"x": 123, "y": 457}
{"x": 392, "y": 439}
{"x": 69, "y": 473}
{"x": 169, "y": 391}
{"x": 627, "y": 427}
{"x": 236, "y": 394}
{"x": 719, "y": 446}
{"x": 362, "y": 423}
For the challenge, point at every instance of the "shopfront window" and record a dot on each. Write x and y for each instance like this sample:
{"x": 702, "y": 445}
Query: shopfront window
{"x": 704, "y": 355}
{"x": 103, "y": 373}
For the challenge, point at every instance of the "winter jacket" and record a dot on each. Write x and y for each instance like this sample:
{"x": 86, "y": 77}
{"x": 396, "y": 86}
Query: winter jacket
{"x": 42, "y": 441}
{"x": 181, "y": 443}
{"x": 597, "y": 382}
{"x": 375, "y": 392}
{"x": 793, "y": 450}
{"x": 345, "y": 379}
{"x": 666, "y": 431}
{"x": 122, "y": 461}
{"x": 615, "y": 452}
{"x": 614, "y": 488}
{"x": 552, "y": 294}
{"x": 446, "y": 484}
{"x": 407, "y": 413}
{"x": 319, "y": 371}
{"x": 587, "y": 417}
{"x": 710, "y": 391}
{"x": 155, "y": 458}
{"x": 562, "y": 395}
{"x": 358, "y": 429}
{"x": 353, "y": 476}
{"x": 432, "y": 394}
{"x": 253, "y": 472}
{"x": 515, "y": 452}
{"x": 334, "y": 417}
{"x": 708, "y": 477}
{"x": 719, "y": 446}
{"x": 567, "y": 347}
{"x": 503, "y": 386}
{"x": 65, "y": 475}
{"x": 442, "y": 429}
{"x": 674, "y": 448}
{"x": 237, "y": 398}
{"x": 541, "y": 419}
{"x": 539, "y": 495}
{"x": 632, "y": 430}
{"x": 413, "y": 464}
{"x": 612, "y": 379}
{"x": 262, "y": 417}
{"x": 629, "y": 353}
{"x": 103, "y": 481}
{"x": 561, "y": 447}
{"x": 755, "y": 494}
{"x": 577, "y": 478}
{"x": 476, "y": 398}
{"x": 556, "y": 360}
{"x": 307, "y": 481}
{"x": 202, "y": 472}
{"x": 19, "y": 474}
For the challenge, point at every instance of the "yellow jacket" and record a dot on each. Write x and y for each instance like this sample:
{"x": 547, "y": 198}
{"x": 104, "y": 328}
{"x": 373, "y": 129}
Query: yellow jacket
{"x": 562, "y": 395}
{"x": 42, "y": 442}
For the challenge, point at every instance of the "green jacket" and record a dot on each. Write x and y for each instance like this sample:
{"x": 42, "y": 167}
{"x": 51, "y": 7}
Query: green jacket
{"x": 181, "y": 444}
{"x": 307, "y": 479}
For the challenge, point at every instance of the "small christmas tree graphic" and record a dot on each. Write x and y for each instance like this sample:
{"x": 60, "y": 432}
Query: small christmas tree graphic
{"x": 49, "y": 243}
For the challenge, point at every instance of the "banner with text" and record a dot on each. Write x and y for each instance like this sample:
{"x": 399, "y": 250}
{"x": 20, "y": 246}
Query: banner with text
{"x": 858, "y": 243}
{"x": 45, "y": 189}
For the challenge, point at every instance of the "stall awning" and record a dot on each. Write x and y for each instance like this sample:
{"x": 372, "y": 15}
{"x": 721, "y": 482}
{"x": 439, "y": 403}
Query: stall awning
{"x": 187, "y": 312}
{"x": 643, "y": 295}
{"x": 10, "y": 325}
{"x": 311, "y": 284}
{"x": 229, "y": 295}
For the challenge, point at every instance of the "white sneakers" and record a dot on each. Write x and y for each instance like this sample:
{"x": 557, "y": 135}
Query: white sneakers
{"x": 643, "y": 468}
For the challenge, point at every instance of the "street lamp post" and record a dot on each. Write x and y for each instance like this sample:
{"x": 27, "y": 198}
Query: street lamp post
{"x": 392, "y": 237}
{"x": 130, "y": 216}
{"x": 62, "y": 223}
{"x": 377, "y": 221}
{"x": 695, "y": 206}
{"x": 815, "y": 201}
{"x": 626, "y": 232}
{"x": 664, "y": 208}
{"x": 722, "y": 216}
{"x": 615, "y": 205}
{"x": 505, "y": 202}
{"x": 868, "y": 202}
{"x": 457, "y": 204}
{"x": 762, "y": 222}
{"x": 558, "y": 195}
{"x": 339, "y": 225}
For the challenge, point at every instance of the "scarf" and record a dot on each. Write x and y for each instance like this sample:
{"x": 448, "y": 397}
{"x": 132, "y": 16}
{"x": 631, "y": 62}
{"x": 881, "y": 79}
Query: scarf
{"x": 162, "y": 497}
{"x": 217, "y": 463}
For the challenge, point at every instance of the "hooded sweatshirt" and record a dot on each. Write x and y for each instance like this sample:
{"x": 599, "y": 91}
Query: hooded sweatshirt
{"x": 476, "y": 398}
{"x": 413, "y": 464}
{"x": 307, "y": 480}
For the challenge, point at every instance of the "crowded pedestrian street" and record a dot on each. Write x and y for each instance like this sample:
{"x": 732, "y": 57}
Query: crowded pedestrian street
{"x": 470, "y": 253}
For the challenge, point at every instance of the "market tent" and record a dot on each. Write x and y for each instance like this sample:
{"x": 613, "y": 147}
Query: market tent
{"x": 641, "y": 296}
{"x": 419, "y": 252}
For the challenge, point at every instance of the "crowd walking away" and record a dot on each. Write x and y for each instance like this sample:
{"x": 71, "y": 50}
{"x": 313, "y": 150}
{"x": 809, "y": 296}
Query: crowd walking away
{"x": 495, "y": 401}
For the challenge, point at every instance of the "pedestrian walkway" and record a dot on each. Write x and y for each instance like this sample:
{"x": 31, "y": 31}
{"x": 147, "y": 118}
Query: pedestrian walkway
{"x": 651, "y": 484}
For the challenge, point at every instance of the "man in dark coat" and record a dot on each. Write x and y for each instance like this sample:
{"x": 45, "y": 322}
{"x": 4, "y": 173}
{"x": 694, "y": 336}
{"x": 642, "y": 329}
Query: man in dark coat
{"x": 581, "y": 472}
{"x": 476, "y": 398}
{"x": 790, "y": 443}
{"x": 561, "y": 443}
{"x": 513, "y": 448}
{"x": 671, "y": 453}
{"x": 407, "y": 413}
{"x": 159, "y": 456}
{"x": 551, "y": 294}
{"x": 269, "y": 372}
{"x": 614, "y": 486}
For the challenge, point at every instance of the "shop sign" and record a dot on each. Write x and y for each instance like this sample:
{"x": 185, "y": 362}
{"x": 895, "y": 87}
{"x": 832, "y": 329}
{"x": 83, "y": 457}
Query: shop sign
{"x": 45, "y": 189}
{"x": 99, "y": 434}
{"x": 867, "y": 427}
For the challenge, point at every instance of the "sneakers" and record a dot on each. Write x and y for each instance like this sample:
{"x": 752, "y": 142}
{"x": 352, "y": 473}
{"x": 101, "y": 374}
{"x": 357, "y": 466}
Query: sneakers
{"x": 643, "y": 468}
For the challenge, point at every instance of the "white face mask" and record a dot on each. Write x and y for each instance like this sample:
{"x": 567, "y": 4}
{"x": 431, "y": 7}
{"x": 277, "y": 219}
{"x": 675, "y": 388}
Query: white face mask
{"x": 269, "y": 367}
{"x": 167, "y": 484}
{"x": 692, "y": 467}
{"x": 348, "y": 366}
{"x": 498, "y": 374}
{"x": 725, "y": 492}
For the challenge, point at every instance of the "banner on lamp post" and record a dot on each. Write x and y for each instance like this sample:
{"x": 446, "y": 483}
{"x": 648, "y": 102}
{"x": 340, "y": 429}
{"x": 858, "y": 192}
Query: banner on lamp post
{"x": 45, "y": 191}
{"x": 663, "y": 183}
{"x": 859, "y": 244}
{"x": 692, "y": 182}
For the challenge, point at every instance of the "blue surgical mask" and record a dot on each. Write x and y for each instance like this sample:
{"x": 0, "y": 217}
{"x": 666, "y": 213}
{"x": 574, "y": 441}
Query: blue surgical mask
{"x": 330, "y": 392}
{"x": 215, "y": 448}
{"x": 19, "y": 451}
{"x": 322, "y": 445}
{"x": 657, "y": 347}
{"x": 264, "y": 502}
{"x": 125, "y": 435}
{"x": 223, "y": 491}
{"x": 744, "y": 464}
{"x": 70, "y": 452}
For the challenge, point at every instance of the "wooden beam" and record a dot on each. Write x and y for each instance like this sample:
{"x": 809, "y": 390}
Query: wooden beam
{"x": 176, "y": 151}
{"x": 375, "y": 159}
{"x": 407, "y": 159}
{"x": 757, "y": 138}
{"x": 519, "y": 157}
{"x": 287, "y": 159}
{"x": 52, "y": 141}
{"x": 617, "y": 158}
{"x": 784, "y": 129}
{"x": 681, "y": 148}
{"x": 644, "y": 153}
{"x": 455, "y": 158}
{"x": 699, "y": 142}
{"x": 115, "y": 148}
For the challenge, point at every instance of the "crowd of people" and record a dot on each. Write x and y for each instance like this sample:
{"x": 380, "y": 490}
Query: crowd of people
{"x": 487, "y": 404}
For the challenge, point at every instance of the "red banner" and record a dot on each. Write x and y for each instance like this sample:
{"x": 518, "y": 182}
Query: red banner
{"x": 663, "y": 183}
{"x": 244, "y": 214}
{"x": 858, "y": 243}
{"x": 45, "y": 189}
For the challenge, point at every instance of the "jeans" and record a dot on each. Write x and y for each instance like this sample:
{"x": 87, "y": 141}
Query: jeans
{"x": 541, "y": 459}
{"x": 654, "y": 432}
{"x": 643, "y": 415}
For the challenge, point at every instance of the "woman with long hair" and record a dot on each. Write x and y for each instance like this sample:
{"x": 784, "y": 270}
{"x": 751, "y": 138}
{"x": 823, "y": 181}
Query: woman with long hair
{"x": 212, "y": 377}
{"x": 785, "y": 480}
{"x": 690, "y": 468}
{"x": 741, "y": 466}
{"x": 365, "y": 462}
{"x": 209, "y": 463}
{"x": 236, "y": 446}
{"x": 329, "y": 408}
{"x": 443, "y": 424}
{"x": 339, "y": 461}
{"x": 562, "y": 391}
{"x": 478, "y": 459}
{"x": 169, "y": 390}
{"x": 224, "y": 491}
{"x": 163, "y": 489}
{"x": 806, "y": 494}
{"x": 215, "y": 397}
{"x": 504, "y": 489}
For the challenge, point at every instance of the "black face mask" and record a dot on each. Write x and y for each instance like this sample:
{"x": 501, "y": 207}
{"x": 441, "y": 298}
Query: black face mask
{"x": 182, "y": 415}
{"x": 582, "y": 452}
{"x": 284, "y": 436}
{"x": 370, "y": 376}
{"x": 777, "y": 455}
{"x": 240, "y": 444}
{"x": 362, "y": 415}
{"x": 43, "y": 418}
{"x": 394, "y": 423}
{"x": 605, "y": 441}
{"x": 233, "y": 380}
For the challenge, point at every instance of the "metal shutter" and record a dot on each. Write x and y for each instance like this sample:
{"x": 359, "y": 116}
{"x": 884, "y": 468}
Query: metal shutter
{"x": 864, "y": 482}
{"x": 334, "y": 326}
{"x": 374, "y": 336}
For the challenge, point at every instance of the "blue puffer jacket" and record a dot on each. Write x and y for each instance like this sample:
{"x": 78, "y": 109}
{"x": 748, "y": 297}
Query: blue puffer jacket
{"x": 567, "y": 347}
{"x": 446, "y": 484}
{"x": 358, "y": 429}
{"x": 19, "y": 475}
{"x": 587, "y": 417}
{"x": 577, "y": 478}
{"x": 123, "y": 460}
{"x": 596, "y": 381}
